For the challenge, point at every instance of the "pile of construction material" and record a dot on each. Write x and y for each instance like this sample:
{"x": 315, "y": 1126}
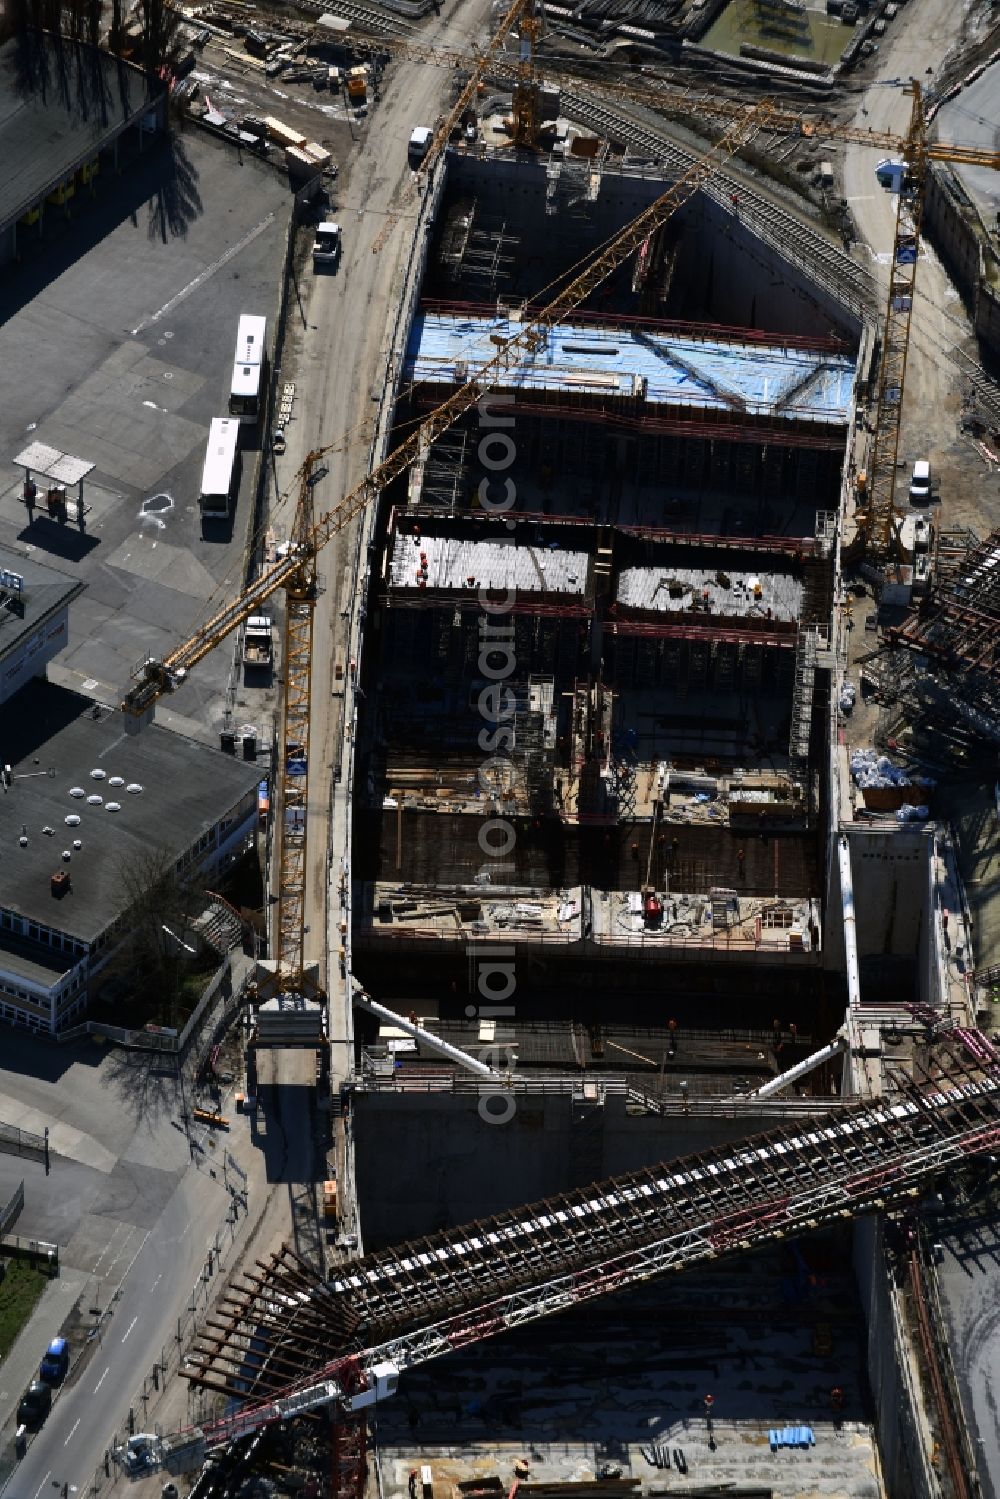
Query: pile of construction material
{"x": 888, "y": 788}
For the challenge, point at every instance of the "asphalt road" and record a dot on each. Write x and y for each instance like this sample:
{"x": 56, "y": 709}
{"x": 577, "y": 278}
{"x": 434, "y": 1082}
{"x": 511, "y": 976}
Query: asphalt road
{"x": 337, "y": 326}
{"x": 73, "y": 1440}
{"x": 923, "y": 34}
{"x": 116, "y": 340}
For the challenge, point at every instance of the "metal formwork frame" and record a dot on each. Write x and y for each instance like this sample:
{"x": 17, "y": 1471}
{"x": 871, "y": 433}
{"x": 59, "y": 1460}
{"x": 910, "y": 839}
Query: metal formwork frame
{"x": 405, "y": 1306}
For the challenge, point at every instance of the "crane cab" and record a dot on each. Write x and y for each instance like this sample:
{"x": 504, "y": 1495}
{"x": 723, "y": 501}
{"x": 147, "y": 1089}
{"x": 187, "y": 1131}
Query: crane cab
{"x": 890, "y": 174}
{"x": 383, "y": 1381}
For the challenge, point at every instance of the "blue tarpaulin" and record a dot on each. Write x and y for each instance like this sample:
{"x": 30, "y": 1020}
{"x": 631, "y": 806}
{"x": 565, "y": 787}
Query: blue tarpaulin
{"x": 664, "y": 367}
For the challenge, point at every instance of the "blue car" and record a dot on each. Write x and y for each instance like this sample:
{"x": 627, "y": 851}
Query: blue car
{"x": 55, "y": 1364}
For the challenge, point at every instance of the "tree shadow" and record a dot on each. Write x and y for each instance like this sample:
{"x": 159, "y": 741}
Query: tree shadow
{"x": 176, "y": 201}
{"x": 81, "y": 95}
{"x": 64, "y": 243}
{"x": 145, "y": 1083}
{"x": 90, "y": 85}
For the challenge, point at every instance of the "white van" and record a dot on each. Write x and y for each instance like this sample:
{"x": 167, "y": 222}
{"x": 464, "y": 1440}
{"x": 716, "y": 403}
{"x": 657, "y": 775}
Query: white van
{"x": 419, "y": 145}
{"x": 326, "y": 246}
{"x": 920, "y": 483}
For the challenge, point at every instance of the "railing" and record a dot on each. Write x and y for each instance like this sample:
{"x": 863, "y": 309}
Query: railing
{"x": 40, "y": 1250}
{"x": 15, "y": 1141}
{"x": 704, "y": 332}
{"x": 10, "y": 1214}
{"x": 600, "y": 942}
{"x": 595, "y": 1089}
{"x": 143, "y": 1040}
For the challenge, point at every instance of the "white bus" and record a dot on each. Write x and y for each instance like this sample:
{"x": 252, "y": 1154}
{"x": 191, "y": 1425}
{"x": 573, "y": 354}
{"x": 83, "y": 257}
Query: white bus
{"x": 246, "y": 396}
{"x": 220, "y": 478}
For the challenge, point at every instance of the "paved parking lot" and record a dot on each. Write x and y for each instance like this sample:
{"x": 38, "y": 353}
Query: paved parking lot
{"x": 112, "y": 1110}
{"x": 116, "y": 343}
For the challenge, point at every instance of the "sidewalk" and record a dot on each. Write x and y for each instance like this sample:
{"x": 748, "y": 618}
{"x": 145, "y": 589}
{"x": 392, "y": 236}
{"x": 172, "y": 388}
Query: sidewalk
{"x": 21, "y": 1364}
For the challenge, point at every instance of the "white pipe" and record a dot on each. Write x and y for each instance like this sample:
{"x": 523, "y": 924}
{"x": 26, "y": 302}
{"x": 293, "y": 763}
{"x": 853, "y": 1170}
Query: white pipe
{"x": 850, "y": 924}
{"x": 800, "y": 1069}
{"x": 473, "y": 1064}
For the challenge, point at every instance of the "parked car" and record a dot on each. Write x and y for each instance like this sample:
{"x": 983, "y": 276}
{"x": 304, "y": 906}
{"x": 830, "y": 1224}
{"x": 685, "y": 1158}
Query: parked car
{"x": 920, "y": 482}
{"x": 36, "y": 1402}
{"x": 55, "y": 1365}
{"x": 326, "y": 246}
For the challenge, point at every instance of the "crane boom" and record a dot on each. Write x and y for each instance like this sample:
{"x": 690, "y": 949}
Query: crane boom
{"x": 155, "y": 679}
{"x": 442, "y": 134}
{"x": 659, "y": 96}
{"x": 581, "y": 1245}
{"x": 877, "y": 524}
{"x": 296, "y": 572}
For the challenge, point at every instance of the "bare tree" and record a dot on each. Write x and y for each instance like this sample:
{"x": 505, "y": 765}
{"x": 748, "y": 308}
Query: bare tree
{"x": 159, "y": 902}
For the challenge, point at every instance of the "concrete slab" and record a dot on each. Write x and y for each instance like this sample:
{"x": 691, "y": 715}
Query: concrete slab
{"x": 624, "y": 1382}
{"x": 53, "y": 1204}
{"x": 64, "y": 1139}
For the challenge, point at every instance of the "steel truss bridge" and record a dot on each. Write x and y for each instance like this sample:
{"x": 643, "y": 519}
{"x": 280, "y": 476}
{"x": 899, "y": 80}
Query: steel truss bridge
{"x": 269, "y": 1344}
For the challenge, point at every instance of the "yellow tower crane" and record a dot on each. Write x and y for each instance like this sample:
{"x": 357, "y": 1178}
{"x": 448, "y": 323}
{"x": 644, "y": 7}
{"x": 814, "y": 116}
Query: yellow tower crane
{"x": 876, "y": 514}
{"x": 295, "y": 573}
{"x": 477, "y": 65}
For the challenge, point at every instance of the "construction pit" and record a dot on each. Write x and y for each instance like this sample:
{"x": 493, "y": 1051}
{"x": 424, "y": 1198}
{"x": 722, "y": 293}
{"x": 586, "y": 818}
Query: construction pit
{"x": 742, "y": 1379}
{"x": 667, "y": 562}
{"x": 640, "y": 522}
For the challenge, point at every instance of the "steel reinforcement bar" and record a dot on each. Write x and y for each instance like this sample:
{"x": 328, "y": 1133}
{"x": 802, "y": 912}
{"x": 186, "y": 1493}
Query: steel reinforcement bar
{"x": 672, "y": 1215}
{"x": 440, "y": 1294}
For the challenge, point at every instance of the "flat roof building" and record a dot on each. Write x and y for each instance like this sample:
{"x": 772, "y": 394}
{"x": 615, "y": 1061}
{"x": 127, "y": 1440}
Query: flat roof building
{"x": 61, "y": 107}
{"x": 34, "y": 610}
{"x": 79, "y": 786}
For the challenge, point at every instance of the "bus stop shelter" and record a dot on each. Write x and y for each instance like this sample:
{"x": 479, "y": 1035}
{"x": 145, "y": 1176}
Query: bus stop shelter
{"x": 59, "y": 472}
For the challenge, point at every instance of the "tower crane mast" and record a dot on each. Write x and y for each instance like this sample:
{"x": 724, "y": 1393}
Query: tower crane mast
{"x": 876, "y": 513}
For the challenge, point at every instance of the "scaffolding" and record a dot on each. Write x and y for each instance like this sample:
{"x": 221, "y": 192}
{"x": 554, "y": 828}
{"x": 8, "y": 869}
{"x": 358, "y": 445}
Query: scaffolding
{"x": 477, "y": 248}
{"x": 446, "y": 479}
{"x": 286, "y": 1342}
{"x": 803, "y": 691}
{"x": 957, "y": 628}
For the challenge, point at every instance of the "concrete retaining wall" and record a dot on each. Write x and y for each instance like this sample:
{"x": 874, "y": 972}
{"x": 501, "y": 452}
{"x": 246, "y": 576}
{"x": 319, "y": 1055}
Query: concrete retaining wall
{"x": 736, "y": 279}
{"x": 953, "y": 223}
{"x": 424, "y": 1162}
{"x": 904, "y": 1443}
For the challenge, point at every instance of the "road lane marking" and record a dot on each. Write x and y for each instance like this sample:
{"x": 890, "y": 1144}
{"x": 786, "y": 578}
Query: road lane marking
{"x": 130, "y": 1327}
{"x": 73, "y": 1432}
{"x": 111, "y": 1240}
{"x": 210, "y": 270}
{"x": 156, "y": 1282}
{"x": 102, "y": 1379}
{"x": 43, "y": 1483}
